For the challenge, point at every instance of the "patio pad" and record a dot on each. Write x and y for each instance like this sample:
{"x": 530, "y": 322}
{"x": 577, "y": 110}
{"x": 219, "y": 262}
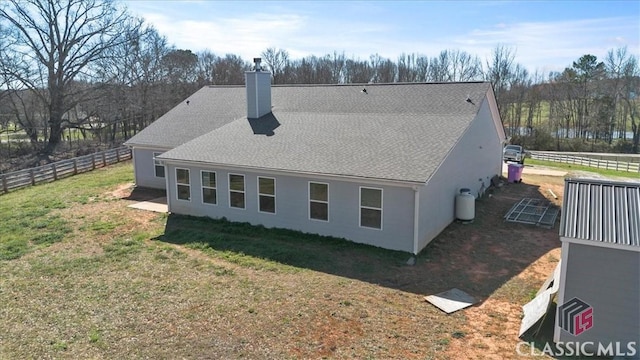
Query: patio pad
{"x": 156, "y": 205}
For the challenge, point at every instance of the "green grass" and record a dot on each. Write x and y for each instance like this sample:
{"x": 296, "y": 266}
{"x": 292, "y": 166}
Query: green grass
{"x": 276, "y": 249}
{"x": 574, "y": 167}
{"x": 84, "y": 276}
{"x": 29, "y": 218}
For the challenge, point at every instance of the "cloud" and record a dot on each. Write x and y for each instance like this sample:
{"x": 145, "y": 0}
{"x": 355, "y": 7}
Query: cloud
{"x": 360, "y": 31}
{"x": 551, "y": 45}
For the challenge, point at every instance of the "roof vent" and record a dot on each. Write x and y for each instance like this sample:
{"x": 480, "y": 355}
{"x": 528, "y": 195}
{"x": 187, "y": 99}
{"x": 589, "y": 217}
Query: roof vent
{"x": 257, "y": 62}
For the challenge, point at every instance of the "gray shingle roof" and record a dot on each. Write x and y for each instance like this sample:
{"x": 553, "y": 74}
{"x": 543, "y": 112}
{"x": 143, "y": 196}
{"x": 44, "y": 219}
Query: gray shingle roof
{"x": 395, "y": 132}
{"x": 209, "y": 108}
{"x": 603, "y": 211}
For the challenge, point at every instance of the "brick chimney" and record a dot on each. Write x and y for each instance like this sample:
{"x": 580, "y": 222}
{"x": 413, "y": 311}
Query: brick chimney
{"x": 258, "y": 84}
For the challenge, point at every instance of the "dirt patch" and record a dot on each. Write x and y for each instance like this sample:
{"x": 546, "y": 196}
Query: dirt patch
{"x": 491, "y": 329}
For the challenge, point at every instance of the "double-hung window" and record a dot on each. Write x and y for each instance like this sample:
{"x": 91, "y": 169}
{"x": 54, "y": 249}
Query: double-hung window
{"x": 371, "y": 208}
{"x": 209, "y": 188}
{"x": 158, "y": 168}
{"x": 183, "y": 184}
{"x": 236, "y": 191}
{"x": 318, "y": 201}
{"x": 266, "y": 194}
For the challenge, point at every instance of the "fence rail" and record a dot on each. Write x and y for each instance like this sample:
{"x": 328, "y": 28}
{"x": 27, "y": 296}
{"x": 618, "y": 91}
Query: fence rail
{"x": 61, "y": 169}
{"x": 601, "y": 163}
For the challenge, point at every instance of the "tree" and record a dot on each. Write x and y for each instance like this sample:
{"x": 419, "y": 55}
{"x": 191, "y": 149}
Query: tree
{"x": 229, "y": 70}
{"x": 277, "y": 60}
{"x": 57, "y": 43}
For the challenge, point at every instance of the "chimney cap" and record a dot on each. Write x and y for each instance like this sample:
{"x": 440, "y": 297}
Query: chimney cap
{"x": 257, "y": 62}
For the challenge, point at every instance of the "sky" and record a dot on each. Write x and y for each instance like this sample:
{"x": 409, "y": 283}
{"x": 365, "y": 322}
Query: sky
{"x": 545, "y": 35}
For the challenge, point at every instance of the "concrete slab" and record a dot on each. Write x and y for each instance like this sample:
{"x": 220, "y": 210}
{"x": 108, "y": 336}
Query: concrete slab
{"x": 451, "y": 300}
{"x": 156, "y": 205}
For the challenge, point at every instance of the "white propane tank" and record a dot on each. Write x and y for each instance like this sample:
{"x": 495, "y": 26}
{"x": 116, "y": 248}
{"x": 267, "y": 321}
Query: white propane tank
{"x": 465, "y": 205}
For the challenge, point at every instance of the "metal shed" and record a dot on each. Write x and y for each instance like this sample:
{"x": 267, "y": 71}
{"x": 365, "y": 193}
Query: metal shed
{"x": 599, "y": 296}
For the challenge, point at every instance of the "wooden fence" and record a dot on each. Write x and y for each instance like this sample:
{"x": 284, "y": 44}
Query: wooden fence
{"x": 602, "y": 163}
{"x": 60, "y": 169}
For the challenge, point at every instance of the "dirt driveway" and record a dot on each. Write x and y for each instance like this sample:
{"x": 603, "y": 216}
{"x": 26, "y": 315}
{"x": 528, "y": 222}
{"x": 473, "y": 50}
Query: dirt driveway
{"x": 536, "y": 170}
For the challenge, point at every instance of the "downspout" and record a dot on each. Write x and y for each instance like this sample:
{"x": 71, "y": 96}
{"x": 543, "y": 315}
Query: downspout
{"x": 416, "y": 218}
{"x": 166, "y": 185}
{"x": 135, "y": 169}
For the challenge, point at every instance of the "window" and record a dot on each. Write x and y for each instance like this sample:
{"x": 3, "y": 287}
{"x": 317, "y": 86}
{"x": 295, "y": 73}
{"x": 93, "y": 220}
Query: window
{"x": 209, "y": 190}
{"x": 267, "y": 195}
{"x": 183, "y": 184}
{"x": 157, "y": 166}
{"x": 319, "y": 201}
{"x": 236, "y": 191}
{"x": 371, "y": 208}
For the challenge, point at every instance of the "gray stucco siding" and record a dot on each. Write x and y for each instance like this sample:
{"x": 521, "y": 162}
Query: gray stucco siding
{"x": 608, "y": 280}
{"x": 292, "y": 206}
{"x": 144, "y": 171}
{"x": 472, "y": 162}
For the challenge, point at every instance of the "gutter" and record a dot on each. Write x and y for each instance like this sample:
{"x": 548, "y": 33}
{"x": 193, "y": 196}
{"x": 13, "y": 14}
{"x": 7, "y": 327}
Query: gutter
{"x": 383, "y": 182}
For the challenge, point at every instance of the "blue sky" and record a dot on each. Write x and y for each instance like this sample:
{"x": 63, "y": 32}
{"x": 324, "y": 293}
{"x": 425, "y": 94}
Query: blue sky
{"x": 546, "y": 35}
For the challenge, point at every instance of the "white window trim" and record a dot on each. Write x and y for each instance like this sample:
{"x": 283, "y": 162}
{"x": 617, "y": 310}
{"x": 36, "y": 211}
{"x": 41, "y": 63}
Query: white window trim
{"x": 244, "y": 192}
{"x": 202, "y": 187}
{"x": 309, "y": 200}
{"x": 360, "y": 207}
{"x": 156, "y": 163}
{"x": 178, "y": 184}
{"x": 275, "y": 206}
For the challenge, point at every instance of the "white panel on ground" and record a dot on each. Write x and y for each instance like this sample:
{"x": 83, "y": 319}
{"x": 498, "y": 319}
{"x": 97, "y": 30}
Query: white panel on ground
{"x": 451, "y": 300}
{"x": 537, "y": 308}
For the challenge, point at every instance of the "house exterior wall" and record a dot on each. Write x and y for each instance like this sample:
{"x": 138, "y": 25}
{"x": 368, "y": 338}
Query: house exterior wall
{"x": 472, "y": 162}
{"x": 608, "y": 280}
{"x": 144, "y": 170}
{"x": 292, "y": 206}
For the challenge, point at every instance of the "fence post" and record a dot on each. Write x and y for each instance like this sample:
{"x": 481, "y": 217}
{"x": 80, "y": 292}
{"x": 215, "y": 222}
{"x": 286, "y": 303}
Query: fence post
{"x": 104, "y": 159}
{"x": 33, "y": 178}
{"x": 55, "y": 173}
{"x": 75, "y": 167}
{"x": 93, "y": 161}
{"x": 118, "y": 154}
{"x": 4, "y": 184}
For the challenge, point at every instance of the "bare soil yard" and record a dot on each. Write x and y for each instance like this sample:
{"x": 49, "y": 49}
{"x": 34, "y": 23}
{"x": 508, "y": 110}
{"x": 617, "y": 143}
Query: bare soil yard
{"x": 125, "y": 283}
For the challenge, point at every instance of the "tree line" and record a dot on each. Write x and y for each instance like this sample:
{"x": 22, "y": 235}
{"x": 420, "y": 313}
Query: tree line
{"x": 87, "y": 69}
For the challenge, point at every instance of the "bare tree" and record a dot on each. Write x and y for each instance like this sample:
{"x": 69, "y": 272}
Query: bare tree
{"x": 277, "y": 60}
{"x": 58, "y": 41}
{"x": 229, "y": 70}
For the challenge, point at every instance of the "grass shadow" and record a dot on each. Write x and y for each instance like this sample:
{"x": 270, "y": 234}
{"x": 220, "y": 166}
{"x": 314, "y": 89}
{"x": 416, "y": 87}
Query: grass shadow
{"x": 478, "y": 258}
{"x": 145, "y": 194}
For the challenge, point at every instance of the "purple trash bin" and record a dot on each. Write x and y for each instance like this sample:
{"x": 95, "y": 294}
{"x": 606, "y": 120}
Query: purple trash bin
{"x": 515, "y": 173}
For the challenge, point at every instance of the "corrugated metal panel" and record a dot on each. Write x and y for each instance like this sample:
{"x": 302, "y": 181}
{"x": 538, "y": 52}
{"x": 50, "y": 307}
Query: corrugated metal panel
{"x": 606, "y": 211}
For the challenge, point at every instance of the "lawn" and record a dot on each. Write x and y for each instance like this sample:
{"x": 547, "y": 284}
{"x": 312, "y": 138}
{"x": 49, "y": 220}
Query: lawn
{"x": 84, "y": 276}
{"x": 582, "y": 168}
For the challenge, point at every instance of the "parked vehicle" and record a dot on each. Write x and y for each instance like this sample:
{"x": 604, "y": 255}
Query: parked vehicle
{"x": 513, "y": 153}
